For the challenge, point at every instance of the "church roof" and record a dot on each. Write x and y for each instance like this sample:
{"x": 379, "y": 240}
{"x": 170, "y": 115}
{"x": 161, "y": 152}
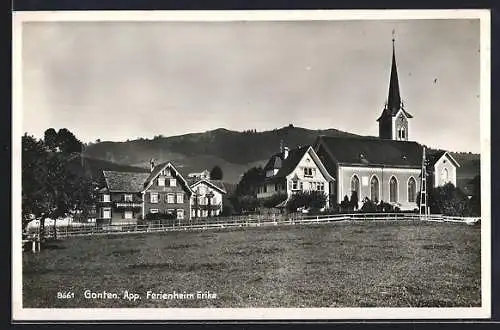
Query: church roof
{"x": 369, "y": 151}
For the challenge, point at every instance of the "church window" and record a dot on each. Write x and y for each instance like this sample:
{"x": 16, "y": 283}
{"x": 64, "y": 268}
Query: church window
{"x": 403, "y": 133}
{"x": 374, "y": 189}
{"x": 412, "y": 190}
{"x": 393, "y": 190}
{"x": 444, "y": 176}
{"x": 355, "y": 184}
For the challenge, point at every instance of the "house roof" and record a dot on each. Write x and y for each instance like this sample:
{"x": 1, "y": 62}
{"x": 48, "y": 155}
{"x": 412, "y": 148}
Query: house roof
{"x": 286, "y": 165}
{"x": 156, "y": 171}
{"x": 217, "y": 184}
{"x": 433, "y": 156}
{"x": 125, "y": 181}
{"x": 368, "y": 151}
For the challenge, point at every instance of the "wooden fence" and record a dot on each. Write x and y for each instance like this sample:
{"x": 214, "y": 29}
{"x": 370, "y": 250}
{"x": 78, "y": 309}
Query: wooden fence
{"x": 243, "y": 222}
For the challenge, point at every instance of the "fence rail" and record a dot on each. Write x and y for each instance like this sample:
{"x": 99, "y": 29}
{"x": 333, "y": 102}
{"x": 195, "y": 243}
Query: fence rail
{"x": 242, "y": 222}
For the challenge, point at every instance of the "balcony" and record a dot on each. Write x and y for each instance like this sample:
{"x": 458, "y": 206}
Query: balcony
{"x": 128, "y": 205}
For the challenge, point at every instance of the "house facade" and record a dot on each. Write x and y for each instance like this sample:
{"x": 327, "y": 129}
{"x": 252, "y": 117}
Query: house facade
{"x": 292, "y": 171}
{"x": 128, "y": 197}
{"x": 207, "y": 198}
{"x": 442, "y": 168}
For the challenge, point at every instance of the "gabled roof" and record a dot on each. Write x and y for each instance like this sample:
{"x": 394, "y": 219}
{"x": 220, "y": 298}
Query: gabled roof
{"x": 290, "y": 163}
{"x": 275, "y": 162}
{"x": 216, "y": 184}
{"x": 368, "y": 151}
{"x": 156, "y": 171}
{"x": 124, "y": 181}
{"x": 433, "y": 156}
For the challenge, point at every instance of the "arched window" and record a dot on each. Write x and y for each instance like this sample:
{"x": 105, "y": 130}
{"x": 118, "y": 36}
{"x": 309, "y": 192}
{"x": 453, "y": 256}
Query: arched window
{"x": 444, "y": 176}
{"x": 374, "y": 189}
{"x": 355, "y": 184}
{"x": 412, "y": 190}
{"x": 393, "y": 190}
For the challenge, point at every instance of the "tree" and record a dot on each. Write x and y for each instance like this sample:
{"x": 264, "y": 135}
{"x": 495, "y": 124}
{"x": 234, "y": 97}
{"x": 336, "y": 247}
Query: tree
{"x": 249, "y": 181}
{"x": 216, "y": 173}
{"x": 67, "y": 142}
{"x": 274, "y": 200}
{"x": 50, "y": 138}
{"x": 53, "y": 182}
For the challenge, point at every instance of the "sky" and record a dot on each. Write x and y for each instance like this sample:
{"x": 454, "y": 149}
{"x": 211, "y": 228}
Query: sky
{"x": 123, "y": 80}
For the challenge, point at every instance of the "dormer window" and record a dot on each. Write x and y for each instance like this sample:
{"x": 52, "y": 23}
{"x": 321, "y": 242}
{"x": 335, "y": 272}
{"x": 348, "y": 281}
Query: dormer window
{"x": 127, "y": 198}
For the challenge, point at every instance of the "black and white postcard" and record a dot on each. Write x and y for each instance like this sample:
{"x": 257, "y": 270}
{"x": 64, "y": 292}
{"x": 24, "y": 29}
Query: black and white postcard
{"x": 251, "y": 165}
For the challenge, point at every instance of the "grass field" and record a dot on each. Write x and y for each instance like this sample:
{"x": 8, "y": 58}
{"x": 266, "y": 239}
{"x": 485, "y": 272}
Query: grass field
{"x": 353, "y": 264}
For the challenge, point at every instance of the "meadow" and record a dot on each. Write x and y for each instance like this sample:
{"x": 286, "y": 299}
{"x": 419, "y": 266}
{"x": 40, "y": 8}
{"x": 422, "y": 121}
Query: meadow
{"x": 345, "y": 264}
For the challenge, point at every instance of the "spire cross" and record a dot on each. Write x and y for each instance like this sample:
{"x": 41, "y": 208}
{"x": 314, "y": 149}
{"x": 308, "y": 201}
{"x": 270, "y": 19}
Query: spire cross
{"x": 393, "y": 35}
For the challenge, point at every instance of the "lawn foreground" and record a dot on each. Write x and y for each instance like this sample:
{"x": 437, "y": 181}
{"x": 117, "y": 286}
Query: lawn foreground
{"x": 348, "y": 264}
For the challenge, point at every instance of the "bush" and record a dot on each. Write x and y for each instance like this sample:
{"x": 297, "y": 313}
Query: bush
{"x": 449, "y": 200}
{"x": 274, "y": 200}
{"x": 312, "y": 200}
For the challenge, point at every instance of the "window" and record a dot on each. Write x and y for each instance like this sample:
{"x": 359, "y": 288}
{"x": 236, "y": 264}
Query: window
{"x": 128, "y": 214}
{"x": 127, "y": 198}
{"x": 374, "y": 189}
{"x": 301, "y": 185}
{"x": 295, "y": 185}
{"x": 154, "y": 197}
{"x": 444, "y": 176}
{"x": 265, "y": 188}
{"x": 173, "y": 182}
{"x": 161, "y": 182}
{"x": 355, "y": 184}
{"x": 276, "y": 187}
{"x": 153, "y": 211}
{"x": 412, "y": 190}
{"x": 170, "y": 198}
{"x": 170, "y": 211}
{"x": 106, "y": 198}
{"x": 321, "y": 186}
{"x": 393, "y": 190}
{"x": 106, "y": 212}
{"x": 308, "y": 171}
{"x": 403, "y": 133}
{"x": 180, "y": 214}
{"x": 180, "y": 198}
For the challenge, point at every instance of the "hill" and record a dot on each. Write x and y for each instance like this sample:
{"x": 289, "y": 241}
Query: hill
{"x": 233, "y": 151}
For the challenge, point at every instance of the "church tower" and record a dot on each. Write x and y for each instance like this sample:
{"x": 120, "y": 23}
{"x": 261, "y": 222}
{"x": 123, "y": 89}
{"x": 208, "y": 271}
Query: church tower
{"x": 393, "y": 123}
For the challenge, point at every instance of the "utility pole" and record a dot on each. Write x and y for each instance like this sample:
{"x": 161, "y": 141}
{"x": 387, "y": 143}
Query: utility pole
{"x": 423, "y": 188}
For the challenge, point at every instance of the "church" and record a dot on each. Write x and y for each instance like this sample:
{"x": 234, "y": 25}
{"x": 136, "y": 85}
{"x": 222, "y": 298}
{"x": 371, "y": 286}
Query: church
{"x": 385, "y": 168}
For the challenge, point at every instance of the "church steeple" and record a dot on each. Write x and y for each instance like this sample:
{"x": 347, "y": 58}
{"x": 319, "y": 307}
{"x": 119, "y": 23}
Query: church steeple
{"x": 393, "y": 122}
{"x": 394, "y": 99}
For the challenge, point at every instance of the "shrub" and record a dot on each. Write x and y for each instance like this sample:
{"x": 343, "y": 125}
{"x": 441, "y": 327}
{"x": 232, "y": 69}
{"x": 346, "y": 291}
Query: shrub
{"x": 312, "y": 200}
{"x": 273, "y": 200}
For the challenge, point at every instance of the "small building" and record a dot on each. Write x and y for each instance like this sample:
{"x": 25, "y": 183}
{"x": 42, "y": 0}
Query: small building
{"x": 207, "y": 198}
{"x": 291, "y": 171}
{"x": 199, "y": 175}
{"x": 128, "y": 197}
{"x": 442, "y": 168}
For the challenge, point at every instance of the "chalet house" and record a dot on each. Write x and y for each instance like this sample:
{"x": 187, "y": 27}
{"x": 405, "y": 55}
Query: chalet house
{"x": 292, "y": 171}
{"x": 207, "y": 198}
{"x": 387, "y": 168}
{"x": 128, "y": 197}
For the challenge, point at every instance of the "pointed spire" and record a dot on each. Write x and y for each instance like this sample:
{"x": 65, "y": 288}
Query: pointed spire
{"x": 394, "y": 99}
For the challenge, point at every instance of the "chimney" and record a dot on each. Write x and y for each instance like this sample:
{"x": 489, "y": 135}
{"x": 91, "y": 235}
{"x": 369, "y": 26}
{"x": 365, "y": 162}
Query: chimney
{"x": 152, "y": 164}
{"x": 285, "y": 152}
{"x": 281, "y": 146}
